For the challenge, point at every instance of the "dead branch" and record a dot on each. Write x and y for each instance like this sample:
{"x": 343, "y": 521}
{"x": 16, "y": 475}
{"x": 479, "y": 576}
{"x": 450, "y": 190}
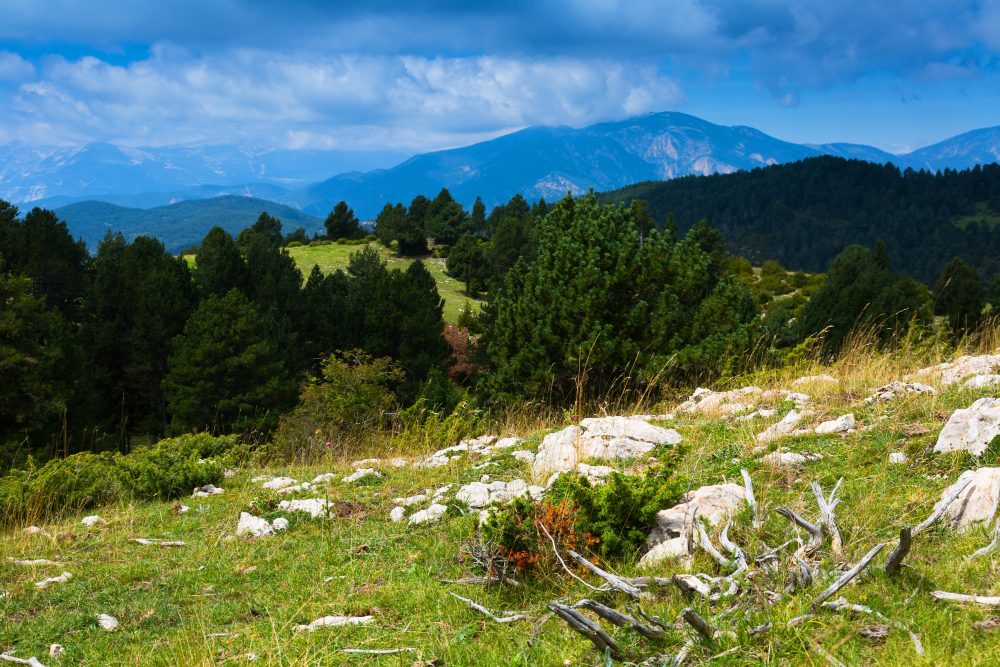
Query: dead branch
{"x": 647, "y": 582}
{"x": 618, "y": 618}
{"x": 815, "y": 531}
{"x": 948, "y": 500}
{"x": 586, "y": 627}
{"x": 895, "y": 560}
{"x": 652, "y": 620}
{"x": 480, "y": 608}
{"x": 691, "y": 585}
{"x": 616, "y": 583}
{"x": 827, "y": 516}
{"x": 31, "y": 662}
{"x": 732, "y": 547}
{"x": 962, "y": 598}
{"x": 388, "y": 651}
{"x": 799, "y": 620}
{"x": 991, "y": 547}
{"x": 538, "y": 629}
{"x": 760, "y": 629}
{"x": 826, "y": 655}
{"x": 688, "y": 645}
{"x": 846, "y": 577}
{"x": 705, "y": 543}
{"x": 842, "y": 604}
{"x": 556, "y": 550}
{"x": 479, "y": 581}
{"x": 758, "y": 518}
{"x": 698, "y": 623}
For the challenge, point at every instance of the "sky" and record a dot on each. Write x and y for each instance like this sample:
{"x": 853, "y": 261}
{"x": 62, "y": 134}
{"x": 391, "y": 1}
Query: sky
{"x": 415, "y": 76}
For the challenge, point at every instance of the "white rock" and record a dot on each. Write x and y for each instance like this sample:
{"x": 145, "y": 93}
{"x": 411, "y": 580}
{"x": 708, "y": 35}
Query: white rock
{"x": 783, "y": 428}
{"x": 811, "y": 379}
{"x": 31, "y": 530}
{"x": 695, "y": 584}
{"x": 366, "y": 463}
{"x": 594, "y": 474}
{"x": 412, "y": 500}
{"x": 432, "y": 462}
{"x": 485, "y": 479}
{"x": 952, "y": 372}
{"x": 980, "y": 381}
{"x": 281, "y": 523}
{"x": 334, "y": 622}
{"x": 314, "y": 506}
{"x": 975, "y": 503}
{"x": 796, "y": 397}
{"x": 484, "y": 516}
{"x": 398, "y": 463}
{"x": 706, "y": 400}
{"x": 109, "y": 623}
{"x": 361, "y": 474}
{"x": 158, "y": 543}
{"x": 767, "y": 413}
{"x": 279, "y": 483}
{"x": 261, "y": 478}
{"x": 552, "y": 478}
{"x": 897, "y": 457}
{"x": 61, "y": 579}
{"x": 443, "y": 490}
{"x": 523, "y": 455}
{"x": 182, "y": 509}
{"x": 507, "y": 443}
{"x": 971, "y": 429}
{"x": 432, "y": 513}
{"x": 536, "y": 492}
{"x": 91, "y": 521}
{"x": 289, "y": 490}
{"x": 842, "y": 424}
{"x": 397, "y": 514}
{"x": 206, "y": 491}
{"x": 229, "y": 474}
{"x": 600, "y": 438}
{"x": 325, "y": 478}
{"x": 673, "y": 530}
{"x": 475, "y": 495}
{"x": 897, "y": 388}
{"x": 780, "y": 458}
{"x": 253, "y": 526}
{"x": 56, "y": 650}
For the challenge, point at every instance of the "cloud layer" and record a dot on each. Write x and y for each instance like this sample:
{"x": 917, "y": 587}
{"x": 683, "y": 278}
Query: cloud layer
{"x": 431, "y": 74}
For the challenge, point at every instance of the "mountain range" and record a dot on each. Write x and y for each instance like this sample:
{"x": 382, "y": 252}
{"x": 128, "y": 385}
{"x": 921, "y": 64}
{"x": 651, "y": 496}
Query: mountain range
{"x": 536, "y": 162}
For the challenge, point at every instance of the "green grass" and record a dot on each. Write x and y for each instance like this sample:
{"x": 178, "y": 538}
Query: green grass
{"x": 169, "y": 600}
{"x": 983, "y": 216}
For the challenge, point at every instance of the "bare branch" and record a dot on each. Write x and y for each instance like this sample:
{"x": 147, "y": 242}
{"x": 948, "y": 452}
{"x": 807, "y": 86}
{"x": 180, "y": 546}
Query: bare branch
{"x": 991, "y": 547}
{"x": 690, "y": 585}
{"x": 732, "y": 547}
{"x": 760, "y": 629}
{"x": 618, "y": 618}
{"x": 815, "y": 531}
{"x": 827, "y": 515}
{"x": 538, "y": 629}
{"x": 948, "y": 500}
{"x": 842, "y": 604}
{"x": 586, "y": 627}
{"x": 698, "y": 623}
{"x": 616, "y": 583}
{"x": 31, "y": 662}
{"x": 688, "y": 645}
{"x": 846, "y": 577}
{"x": 962, "y": 598}
{"x": 826, "y": 655}
{"x": 799, "y": 620}
{"x": 758, "y": 518}
{"x": 480, "y": 608}
{"x": 481, "y": 581}
{"x": 556, "y": 550}
{"x": 705, "y": 543}
{"x": 895, "y": 560}
{"x": 388, "y": 651}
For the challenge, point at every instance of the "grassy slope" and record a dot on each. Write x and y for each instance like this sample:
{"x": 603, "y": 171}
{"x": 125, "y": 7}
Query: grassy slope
{"x": 983, "y": 215}
{"x": 168, "y": 600}
{"x": 333, "y": 257}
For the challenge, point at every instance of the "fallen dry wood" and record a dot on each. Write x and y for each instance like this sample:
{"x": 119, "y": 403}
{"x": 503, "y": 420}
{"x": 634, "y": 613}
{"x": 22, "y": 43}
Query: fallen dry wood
{"x": 992, "y": 546}
{"x": 799, "y": 620}
{"x": 698, "y": 623}
{"x": 561, "y": 561}
{"x": 586, "y": 627}
{"x": 688, "y": 645}
{"x": 705, "y": 543}
{"x": 479, "y": 581}
{"x": 483, "y": 610}
{"x": 826, "y": 655}
{"x": 948, "y": 500}
{"x": 846, "y": 577}
{"x": 738, "y": 555}
{"x": 843, "y": 605}
{"x": 758, "y": 518}
{"x": 31, "y": 662}
{"x": 815, "y": 531}
{"x": 895, "y": 560}
{"x": 827, "y": 516}
{"x": 371, "y": 651}
{"x": 615, "y": 582}
{"x": 618, "y": 618}
{"x": 962, "y": 598}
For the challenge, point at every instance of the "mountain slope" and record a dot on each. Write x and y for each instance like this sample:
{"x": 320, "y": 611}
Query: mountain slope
{"x": 177, "y": 225}
{"x": 960, "y": 152}
{"x": 150, "y": 199}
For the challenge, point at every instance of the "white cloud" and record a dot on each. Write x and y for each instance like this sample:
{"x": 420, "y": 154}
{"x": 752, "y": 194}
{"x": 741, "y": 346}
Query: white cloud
{"x": 406, "y": 102}
{"x": 15, "y": 68}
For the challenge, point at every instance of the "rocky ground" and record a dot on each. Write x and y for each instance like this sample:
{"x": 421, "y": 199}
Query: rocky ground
{"x": 795, "y": 482}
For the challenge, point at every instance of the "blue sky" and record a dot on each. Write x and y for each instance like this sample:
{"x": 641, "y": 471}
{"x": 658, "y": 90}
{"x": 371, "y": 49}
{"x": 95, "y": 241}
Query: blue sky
{"x": 418, "y": 76}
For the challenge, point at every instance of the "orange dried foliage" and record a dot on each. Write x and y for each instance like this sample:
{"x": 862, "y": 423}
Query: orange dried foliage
{"x": 459, "y": 363}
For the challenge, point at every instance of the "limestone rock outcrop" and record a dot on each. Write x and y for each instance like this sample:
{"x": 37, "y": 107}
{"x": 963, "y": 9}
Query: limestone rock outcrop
{"x": 674, "y": 527}
{"x": 971, "y": 429}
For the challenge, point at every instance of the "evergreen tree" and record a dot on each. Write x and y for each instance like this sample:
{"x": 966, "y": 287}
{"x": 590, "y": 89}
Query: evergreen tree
{"x": 324, "y": 327}
{"x": 267, "y": 227}
{"x": 341, "y": 223}
{"x": 445, "y": 218}
{"x": 219, "y": 266}
{"x": 466, "y": 262}
{"x": 225, "y": 374}
{"x": 959, "y": 295}
{"x": 299, "y": 235}
{"x": 477, "y": 221}
{"x": 390, "y": 223}
{"x": 880, "y": 257}
{"x": 513, "y": 233}
{"x": 861, "y": 294}
{"x": 595, "y": 301}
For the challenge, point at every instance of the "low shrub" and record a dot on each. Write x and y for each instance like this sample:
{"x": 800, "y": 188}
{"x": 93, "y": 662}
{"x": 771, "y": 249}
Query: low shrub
{"x": 319, "y": 242}
{"x": 294, "y": 244}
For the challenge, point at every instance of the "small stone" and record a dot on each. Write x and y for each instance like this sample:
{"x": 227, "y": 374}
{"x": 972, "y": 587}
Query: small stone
{"x": 61, "y": 579}
{"x": 361, "y": 474}
{"x": 398, "y": 463}
{"x": 897, "y": 457}
{"x": 874, "y": 633}
{"x": 279, "y": 483}
{"x": 109, "y": 623}
{"x": 780, "y": 458}
{"x": 91, "y": 521}
{"x": 325, "y": 478}
{"x": 56, "y": 650}
{"x": 971, "y": 429}
{"x": 485, "y": 479}
{"x": 366, "y": 463}
{"x": 397, "y": 514}
{"x": 432, "y": 513}
{"x": 253, "y": 526}
{"x": 525, "y": 456}
{"x": 281, "y": 523}
{"x": 315, "y": 506}
{"x": 206, "y": 491}
{"x": 335, "y": 622}
{"x": 229, "y": 474}
{"x": 842, "y": 424}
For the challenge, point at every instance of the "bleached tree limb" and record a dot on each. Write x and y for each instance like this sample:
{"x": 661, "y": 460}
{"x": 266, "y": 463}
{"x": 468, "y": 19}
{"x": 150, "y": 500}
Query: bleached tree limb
{"x": 760, "y": 629}
{"x": 586, "y": 627}
{"x": 826, "y": 655}
{"x": 815, "y": 531}
{"x": 480, "y": 608}
{"x": 948, "y": 500}
{"x": 895, "y": 560}
{"x": 841, "y": 604}
{"x": 618, "y": 618}
{"x": 387, "y": 651}
{"x": 615, "y": 582}
{"x": 31, "y": 662}
{"x": 962, "y": 598}
{"x": 705, "y": 543}
{"x": 698, "y": 623}
{"x": 478, "y": 581}
{"x": 846, "y": 577}
{"x": 991, "y": 547}
{"x": 758, "y": 518}
{"x": 688, "y": 645}
{"x": 827, "y": 516}
{"x": 556, "y": 550}
{"x": 799, "y": 620}
{"x": 732, "y": 547}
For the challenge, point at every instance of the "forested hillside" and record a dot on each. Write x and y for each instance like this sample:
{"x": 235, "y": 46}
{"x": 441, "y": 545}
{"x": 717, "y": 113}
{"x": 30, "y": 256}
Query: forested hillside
{"x": 804, "y": 214}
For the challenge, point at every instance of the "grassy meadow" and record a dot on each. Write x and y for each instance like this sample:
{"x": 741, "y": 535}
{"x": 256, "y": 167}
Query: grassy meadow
{"x": 222, "y": 599}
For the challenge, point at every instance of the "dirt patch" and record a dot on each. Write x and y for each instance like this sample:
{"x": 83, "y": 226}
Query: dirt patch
{"x": 346, "y": 509}
{"x": 370, "y": 586}
{"x": 915, "y": 430}
{"x": 990, "y": 624}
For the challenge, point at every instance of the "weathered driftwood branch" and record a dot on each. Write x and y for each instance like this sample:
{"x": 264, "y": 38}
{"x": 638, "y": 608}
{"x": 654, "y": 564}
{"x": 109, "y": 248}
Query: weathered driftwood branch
{"x": 688, "y": 645}
{"x": 655, "y": 621}
{"x": 648, "y": 582}
{"x": 479, "y": 581}
{"x": 760, "y": 629}
{"x": 826, "y": 655}
{"x": 846, "y": 577}
{"x": 31, "y": 662}
{"x": 815, "y": 530}
{"x": 989, "y": 548}
{"x": 962, "y": 598}
{"x": 738, "y": 555}
{"x": 618, "y": 618}
{"x": 895, "y": 560}
{"x": 758, "y": 515}
{"x": 615, "y": 582}
{"x": 556, "y": 550}
{"x": 691, "y": 585}
{"x": 827, "y": 516}
{"x": 843, "y": 605}
{"x": 705, "y": 543}
{"x": 387, "y": 651}
{"x": 483, "y": 610}
{"x": 586, "y": 627}
{"x": 698, "y": 623}
{"x": 948, "y": 500}
{"x": 538, "y": 629}
{"x": 799, "y": 620}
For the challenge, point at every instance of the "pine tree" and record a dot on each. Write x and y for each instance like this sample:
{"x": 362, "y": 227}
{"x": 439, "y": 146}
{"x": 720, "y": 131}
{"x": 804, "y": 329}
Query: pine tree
{"x": 225, "y": 375}
{"x": 959, "y": 295}
{"x": 477, "y": 221}
{"x": 466, "y": 262}
{"x": 341, "y": 223}
{"x": 219, "y": 266}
